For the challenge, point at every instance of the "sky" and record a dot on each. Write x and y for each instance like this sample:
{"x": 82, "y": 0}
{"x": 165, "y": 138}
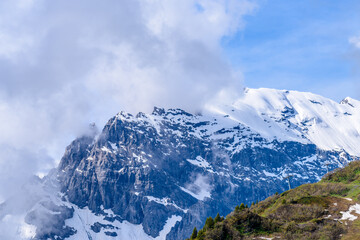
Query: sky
{"x": 67, "y": 63}
{"x": 307, "y": 45}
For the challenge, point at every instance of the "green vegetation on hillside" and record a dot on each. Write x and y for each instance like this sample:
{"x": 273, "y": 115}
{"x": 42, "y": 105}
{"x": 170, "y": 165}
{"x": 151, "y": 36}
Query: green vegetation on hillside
{"x": 310, "y": 211}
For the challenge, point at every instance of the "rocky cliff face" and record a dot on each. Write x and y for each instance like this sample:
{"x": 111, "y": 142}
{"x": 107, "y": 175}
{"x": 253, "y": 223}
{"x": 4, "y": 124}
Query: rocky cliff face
{"x": 156, "y": 176}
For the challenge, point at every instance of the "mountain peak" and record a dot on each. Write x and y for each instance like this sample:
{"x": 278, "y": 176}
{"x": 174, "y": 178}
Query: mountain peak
{"x": 158, "y": 111}
{"x": 350, "y": 101}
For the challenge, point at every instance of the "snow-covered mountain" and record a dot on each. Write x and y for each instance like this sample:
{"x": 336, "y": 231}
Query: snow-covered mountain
{"x": 156, "y": 176}
{"x": 298, "y": 116}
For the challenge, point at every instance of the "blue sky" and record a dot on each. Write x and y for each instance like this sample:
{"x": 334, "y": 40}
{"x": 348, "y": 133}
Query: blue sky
{"x": 300, "y": 45}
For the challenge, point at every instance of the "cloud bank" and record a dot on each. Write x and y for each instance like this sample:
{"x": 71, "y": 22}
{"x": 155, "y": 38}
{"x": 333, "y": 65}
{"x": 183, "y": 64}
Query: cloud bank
{"x": 66, "y": 63}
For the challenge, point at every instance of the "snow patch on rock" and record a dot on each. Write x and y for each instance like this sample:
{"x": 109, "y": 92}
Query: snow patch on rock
{"x": 83, "y": 220}
{"x": 199, "y": 189}
{"x": 348, "y": 214}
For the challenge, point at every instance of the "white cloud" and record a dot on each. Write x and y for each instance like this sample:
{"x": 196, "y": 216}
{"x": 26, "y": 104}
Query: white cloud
{"x": 355, "y": 41}
{"x": 66, "y": 63}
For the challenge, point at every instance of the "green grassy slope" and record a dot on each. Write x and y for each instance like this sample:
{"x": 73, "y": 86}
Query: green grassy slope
{"x": 310, "y": 211}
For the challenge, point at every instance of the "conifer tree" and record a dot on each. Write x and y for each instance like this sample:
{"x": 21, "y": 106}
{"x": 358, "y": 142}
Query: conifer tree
{"x": 209, "y": 223}
{"x": 201, "y": 234}
{"x": 194, "y": 233}
{"x": 242, "y": 206}
{"x": 217, "y": 218}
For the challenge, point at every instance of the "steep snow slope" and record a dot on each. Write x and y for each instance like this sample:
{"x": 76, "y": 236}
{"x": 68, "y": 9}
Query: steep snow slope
{"x": 298, "y": 116}
{"x": 85, "y": 222}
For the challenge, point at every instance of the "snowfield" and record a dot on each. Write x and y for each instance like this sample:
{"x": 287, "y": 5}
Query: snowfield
{"x": 84, "y": 218}
{"x": 296, "y": 116}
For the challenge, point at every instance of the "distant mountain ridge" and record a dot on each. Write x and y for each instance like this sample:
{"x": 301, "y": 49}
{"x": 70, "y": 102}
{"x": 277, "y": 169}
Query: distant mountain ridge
{"x": 156, "y": 176}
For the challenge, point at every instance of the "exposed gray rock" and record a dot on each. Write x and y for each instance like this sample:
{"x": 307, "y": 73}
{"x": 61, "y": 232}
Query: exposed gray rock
{"x": 148, "y": 168}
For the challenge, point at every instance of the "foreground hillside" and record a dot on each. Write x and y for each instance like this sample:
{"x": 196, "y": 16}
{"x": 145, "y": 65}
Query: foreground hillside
{"x": 328, "y": 209}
